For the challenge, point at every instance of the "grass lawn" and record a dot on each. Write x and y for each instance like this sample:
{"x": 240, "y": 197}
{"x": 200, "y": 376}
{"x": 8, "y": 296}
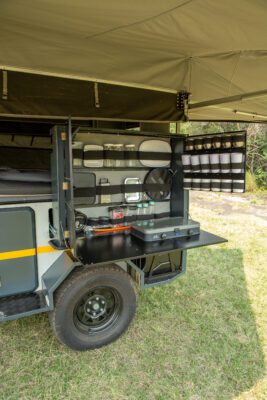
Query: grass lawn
{"x": 202, "y": 337}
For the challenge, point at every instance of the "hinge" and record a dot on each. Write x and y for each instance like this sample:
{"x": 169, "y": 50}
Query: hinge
{"x": 66, "y": 234}
{"x": 5, "y": 85}
{"x": 65, "y": 186}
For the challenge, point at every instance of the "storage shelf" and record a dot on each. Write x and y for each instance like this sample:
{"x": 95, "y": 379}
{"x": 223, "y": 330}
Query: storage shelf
{"x": 106, "y": 249}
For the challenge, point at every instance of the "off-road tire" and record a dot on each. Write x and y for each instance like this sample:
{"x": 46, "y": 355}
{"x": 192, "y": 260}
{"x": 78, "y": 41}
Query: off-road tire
{"x": 63, "y": 318}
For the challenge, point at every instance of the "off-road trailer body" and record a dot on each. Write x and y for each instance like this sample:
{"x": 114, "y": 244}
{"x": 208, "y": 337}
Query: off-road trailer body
{"x": 43, "y": 258}
{"x": 64, "y": 67}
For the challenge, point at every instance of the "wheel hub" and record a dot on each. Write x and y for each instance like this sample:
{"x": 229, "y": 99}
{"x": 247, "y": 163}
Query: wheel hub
{"x": 97, "y": 310}
{"x": 95, "y": 306}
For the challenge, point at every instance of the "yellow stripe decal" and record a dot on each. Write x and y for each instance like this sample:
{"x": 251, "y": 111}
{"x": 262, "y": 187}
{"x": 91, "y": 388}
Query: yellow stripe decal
{"x": 8, "y": 255}
{"x": 46, "y": 249}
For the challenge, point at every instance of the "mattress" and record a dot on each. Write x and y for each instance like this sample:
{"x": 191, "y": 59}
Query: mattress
{"x": 24, "y": 175}
{"x": 21, "y": 184}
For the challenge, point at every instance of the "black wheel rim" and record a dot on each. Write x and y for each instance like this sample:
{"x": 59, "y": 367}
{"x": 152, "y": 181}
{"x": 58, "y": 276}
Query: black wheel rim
{"x": 97, "y": 310}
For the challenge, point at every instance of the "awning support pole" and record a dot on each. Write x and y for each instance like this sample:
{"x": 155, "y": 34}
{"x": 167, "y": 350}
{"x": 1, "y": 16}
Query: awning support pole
{"x": 229, "y": 99}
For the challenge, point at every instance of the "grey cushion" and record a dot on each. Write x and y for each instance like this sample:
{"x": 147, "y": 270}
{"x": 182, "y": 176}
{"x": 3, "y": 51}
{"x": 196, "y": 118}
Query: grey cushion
{"x": 24, "y": 176}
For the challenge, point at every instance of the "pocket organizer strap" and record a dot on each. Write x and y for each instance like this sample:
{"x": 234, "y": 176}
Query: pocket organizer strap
{"x": 154, "y": 155}
{"x": 117, "y": 189}
{"x": 77, "y": 153}
{"x": 204, "y": 185}
{"x": 93, "y": 155}
{"x": 239, "y": 185}
{"x": 205, "y": 166}
{"x": 195, "y": 184}
{"x": 215, "y": 185}
{"x": 215, "y": 166}
{"x": 121, "y": 155}
{"x": 226, "y": 185}
{"x": 237, "y": 165}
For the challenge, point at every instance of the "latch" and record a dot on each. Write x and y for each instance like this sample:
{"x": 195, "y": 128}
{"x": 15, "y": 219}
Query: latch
{"x": 65, "y": 186}
{"x": 66, "y": 234}
{"x": 63, "y": 136}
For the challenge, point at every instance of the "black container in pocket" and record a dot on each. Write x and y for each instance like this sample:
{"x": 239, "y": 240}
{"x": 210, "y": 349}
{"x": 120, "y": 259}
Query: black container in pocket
{"x": 225, "y": 162}
{"x": 215, "y": 185}
{"x": 237, "y": 164}
{"x": 205, "y": 184}
{"x": 226, "y": 185}
{"x": 239, "y": 140}
{"x": 196, "y": 183}
{"x": 226, "y": 142}
{"x": 215, "y": 163}
{"x": 205, "y": 162}
{"x": 216, "y": 142}
{"x": 195, "y": 163}
{"x": 238, "y": 185}
{"x": 186, "y": 161}
{"x": 207, "y": 143}
{"x": 187, "y": 183}
{"x": 189, "y": 145}
{"x": 198, "y": 144}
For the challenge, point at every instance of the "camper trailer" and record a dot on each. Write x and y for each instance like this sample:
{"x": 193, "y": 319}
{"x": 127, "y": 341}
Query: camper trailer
{"x": 94, "y": 190}
{"x": 89, "y": 214}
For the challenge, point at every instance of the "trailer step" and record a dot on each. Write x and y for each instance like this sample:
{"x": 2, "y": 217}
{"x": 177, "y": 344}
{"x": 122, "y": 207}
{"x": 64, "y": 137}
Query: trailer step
{"x": 22, "y": 305}
{"x": 156, "y": 279}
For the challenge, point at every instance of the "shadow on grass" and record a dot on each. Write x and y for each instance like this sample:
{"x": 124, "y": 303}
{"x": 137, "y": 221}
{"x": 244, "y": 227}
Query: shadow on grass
{"x": 194, "y": 339}
{"x": 212, "y": 326}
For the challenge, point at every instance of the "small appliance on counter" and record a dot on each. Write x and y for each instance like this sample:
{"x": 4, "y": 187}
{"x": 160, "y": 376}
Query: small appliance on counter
{"x": 167, "y": 228}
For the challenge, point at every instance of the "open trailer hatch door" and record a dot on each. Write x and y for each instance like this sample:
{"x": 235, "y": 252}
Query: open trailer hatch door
{"x": 62, "y": 191}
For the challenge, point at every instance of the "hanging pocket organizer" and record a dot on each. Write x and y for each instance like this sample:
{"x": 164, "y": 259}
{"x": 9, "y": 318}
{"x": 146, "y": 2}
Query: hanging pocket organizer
{"x": 215, "y": 162}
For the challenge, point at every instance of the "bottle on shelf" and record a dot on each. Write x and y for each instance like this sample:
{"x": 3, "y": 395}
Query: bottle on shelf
{"x": 145, "y": 214}
{"x": 129, "y": 161}
{"x": 130, "y": 214}
{"x": 145, "y": 209}
{"x": 116, "y": 215}
{"x": 108, "y": 162}
{"x": 119, "y": 162}
{"x": 151, "y": 209}
{"x": 139, "y": 210}
{"x": 104, "y": 198}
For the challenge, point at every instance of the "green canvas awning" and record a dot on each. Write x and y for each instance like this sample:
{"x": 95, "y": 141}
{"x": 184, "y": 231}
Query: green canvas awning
{"x": 140, "y": 53}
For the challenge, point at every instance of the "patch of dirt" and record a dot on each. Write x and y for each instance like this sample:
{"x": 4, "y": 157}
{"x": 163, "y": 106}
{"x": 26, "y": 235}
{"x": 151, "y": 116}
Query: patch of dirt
{"x": 229, "y": 203}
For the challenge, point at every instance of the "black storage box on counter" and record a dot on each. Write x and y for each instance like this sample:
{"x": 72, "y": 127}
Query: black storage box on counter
{"x": 167, "y": 228}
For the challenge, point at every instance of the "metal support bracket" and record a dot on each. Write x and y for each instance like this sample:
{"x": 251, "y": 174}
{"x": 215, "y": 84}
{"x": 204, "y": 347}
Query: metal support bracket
{"x": 182, "y": 102}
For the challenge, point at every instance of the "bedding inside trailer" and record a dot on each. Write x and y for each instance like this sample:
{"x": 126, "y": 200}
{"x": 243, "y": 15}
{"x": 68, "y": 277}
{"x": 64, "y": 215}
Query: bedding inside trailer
{"x": 24, "y": 168}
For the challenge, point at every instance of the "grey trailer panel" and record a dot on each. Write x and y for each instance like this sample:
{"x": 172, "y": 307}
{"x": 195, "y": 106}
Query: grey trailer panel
{"x": 18, "y": 260}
